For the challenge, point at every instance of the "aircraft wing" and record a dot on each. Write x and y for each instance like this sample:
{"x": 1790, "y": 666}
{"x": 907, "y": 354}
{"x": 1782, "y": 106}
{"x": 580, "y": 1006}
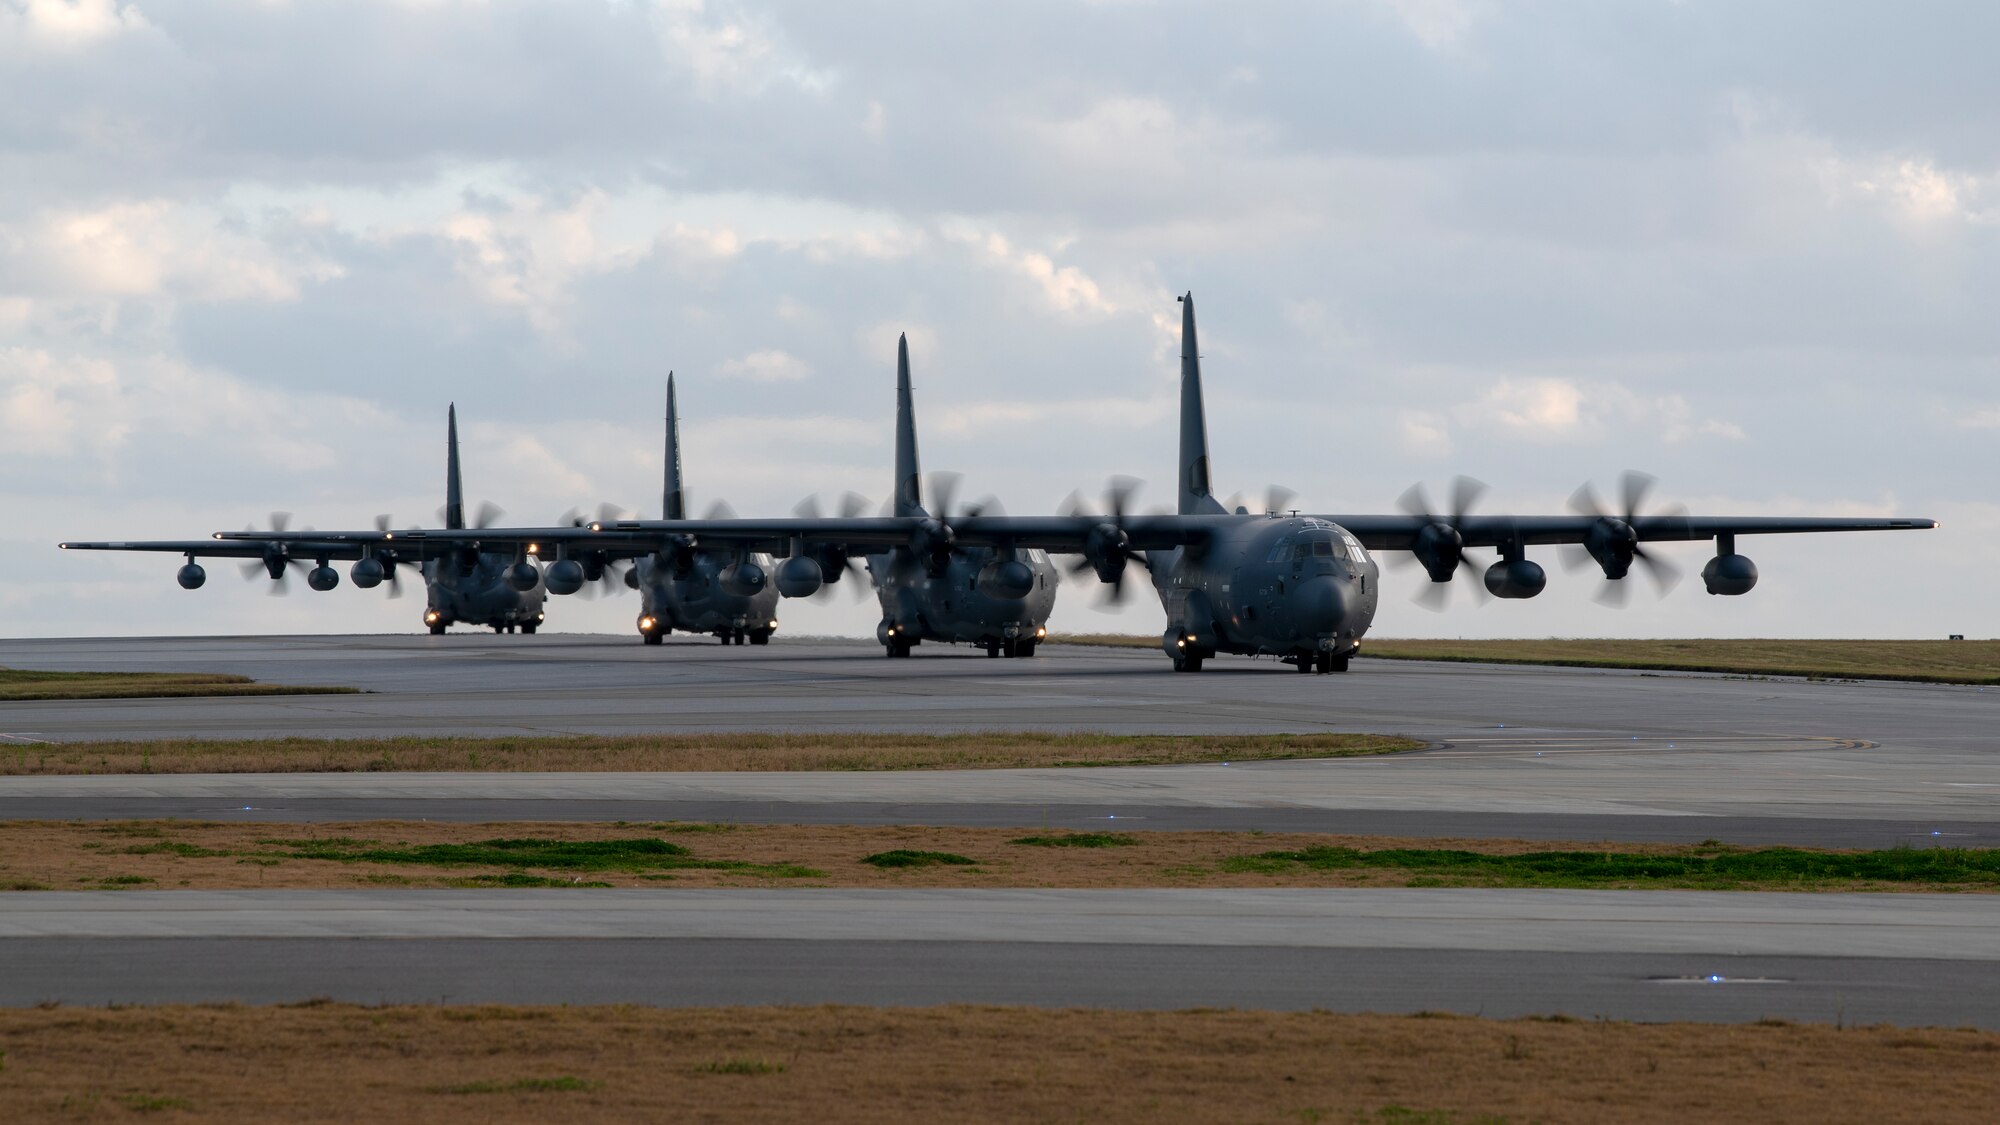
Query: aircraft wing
{"x": 417, "y": 544}
{"x": 1057, "y": 534}
{"x": 297, "y": 546}
{"x": 1399, "y": 532}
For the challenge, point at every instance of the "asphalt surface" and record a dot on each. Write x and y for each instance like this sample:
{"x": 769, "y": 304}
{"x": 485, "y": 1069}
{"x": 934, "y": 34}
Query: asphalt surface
{"x": 1527, "y": 752}
{"x": 1914, "y": 959}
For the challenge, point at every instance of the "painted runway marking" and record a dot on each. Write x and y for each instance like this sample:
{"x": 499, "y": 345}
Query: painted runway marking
{"x": 4, "y": 737}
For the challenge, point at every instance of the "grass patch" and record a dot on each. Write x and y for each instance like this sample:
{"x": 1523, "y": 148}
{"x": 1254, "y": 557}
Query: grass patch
{"x": 1078, "y": 840}
{"x": 909, "y": 857}
{"x": 1943, "y": 662}
{"x": 742, "y": 1066}
{"x": 154, "y": 1103}
{"x": 667, "y": 752}
{"x": 22, "y": 684}
{"x": 632, "y": 855}
{"x": 126, "y": 880}
{"x": 1946, "y": 662}
{"x": 563, "y": 1084}
{"x": 245, "y": 1064}
{"x": 1714, "y": 869}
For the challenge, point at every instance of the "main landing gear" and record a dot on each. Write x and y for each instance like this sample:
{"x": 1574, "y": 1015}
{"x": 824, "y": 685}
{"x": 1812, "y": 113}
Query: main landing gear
{"x": 742, "y": 636}
{"x": 1321, "y": 663}
{"x": 1022, "y": 647}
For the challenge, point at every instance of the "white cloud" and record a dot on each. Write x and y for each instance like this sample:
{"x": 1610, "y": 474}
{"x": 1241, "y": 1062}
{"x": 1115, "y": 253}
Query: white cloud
{"x": 1550, "y": 410}
{"x": 769, "y": 365}
{"x": 1424, "y": 433}
{"x": 67, "y": 24}
{"x": 154, "y": 248}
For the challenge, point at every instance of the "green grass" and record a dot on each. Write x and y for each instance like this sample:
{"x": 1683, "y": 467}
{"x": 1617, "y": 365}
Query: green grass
{"x": 1714, "y": 868}
{"x": 22, "y": 684}
{"x": 905, "y": 857}
{"x": 632, "y": 855}
{"x": 1944, "y": 662}
{"x": 742, "y": 1066}
{"x": 563, "y": 1084}
{"x": 1079, "y": 840}
{"x": 154, "y": 1103}
{"x": 1948, "y": 662}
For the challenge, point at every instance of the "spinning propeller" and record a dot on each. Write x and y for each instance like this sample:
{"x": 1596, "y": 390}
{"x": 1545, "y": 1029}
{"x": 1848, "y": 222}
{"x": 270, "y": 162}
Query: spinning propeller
{"x": 1106, "y": 546}
{"x": 1440, "y": 544}
{"x": 1613, "y": 545}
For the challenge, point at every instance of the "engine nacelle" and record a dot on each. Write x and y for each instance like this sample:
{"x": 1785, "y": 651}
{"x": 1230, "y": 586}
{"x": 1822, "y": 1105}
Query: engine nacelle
{"x": 800, "y": 577}
{"x": 1438, "y": 547}
{"x": 1518, "y": 578}
{"x": 367, "y": 574}
{"x": 1730, "y": 575}
{"x": 322, "y": 578}
{"x": 1006, "y": 579}
{"x": 631, "y": 578}
{"x": 564, "y": 576}
{"x": 522, "y": 577}
{"x": 744, "y": 579}
{"x": 191, "y": 576}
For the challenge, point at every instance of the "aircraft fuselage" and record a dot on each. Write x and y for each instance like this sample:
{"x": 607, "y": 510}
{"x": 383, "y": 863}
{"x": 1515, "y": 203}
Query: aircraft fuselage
{"x": 949, "y": 606}
{"x": 1294, "y": 587}
{"x": 697, "y": 602}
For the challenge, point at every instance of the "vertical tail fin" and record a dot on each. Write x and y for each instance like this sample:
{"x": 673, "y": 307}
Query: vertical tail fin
{"x": 454, "y": 488}
{"x": 673, "y": 502}
{"x": 909, "y": 488}
{"x": 1196, "y": 499}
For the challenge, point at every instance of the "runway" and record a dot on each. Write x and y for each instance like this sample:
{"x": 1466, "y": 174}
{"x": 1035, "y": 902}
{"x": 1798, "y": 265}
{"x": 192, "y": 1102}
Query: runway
{"x": 1540, "y": 753}
{"x": 1523, "y": 752}
{"x": 1621, "y": 955}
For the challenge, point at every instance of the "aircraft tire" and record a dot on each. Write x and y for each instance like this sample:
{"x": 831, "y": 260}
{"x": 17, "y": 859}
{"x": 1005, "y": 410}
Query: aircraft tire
{"x": 528, "y": 628}
{"x": 1307, "y": 663}
{"x": 1338, "y": 664}
{"x": 760, "y": 637}
{"x": 437, "y": 628}
{"x": 993, "y": 651}
{"x": 1024, "y": 649}
{"x": 652, "y": 638}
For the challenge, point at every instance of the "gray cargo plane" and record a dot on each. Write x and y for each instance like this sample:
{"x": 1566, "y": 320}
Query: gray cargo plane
{"x": 463, "y": 583}
{"x": 724, "y": 593}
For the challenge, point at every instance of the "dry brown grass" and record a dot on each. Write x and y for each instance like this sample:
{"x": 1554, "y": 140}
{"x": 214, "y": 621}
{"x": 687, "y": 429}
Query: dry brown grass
{"x": 642, "y": 752}
{"x": 20, "y": 684}
{"x": 137, "y": 855}
{"x": 333, "y": 1062}
{"x": 1949, "y": 662}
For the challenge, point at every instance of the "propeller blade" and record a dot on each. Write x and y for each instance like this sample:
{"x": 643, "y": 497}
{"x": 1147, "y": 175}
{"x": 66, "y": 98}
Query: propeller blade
{"x": 280, "y": 520}
{"x": 1416, "y": 501}
{"x": 1278, "y": 498}
{"x": 1118, "y": 496}
{"x": 1664, "y": 574}
{"x": 1575, "y": 558}
{"x": 571, "y": 518}
{"x": 944, "y": 490}
{"x": 382, "y": 523}
{"x": 1633, "y": 487}
{"x": 1465, "y": 492}
{"x": 1614, "y": 594}
{"x": 808, "y": 508}
{"x": 488, "y": 515}
{"x": 720, "y": 510}
{"x": 608, "y": 512}
{"x": 853, "y": 504}
{"x": 1584, "y": 501}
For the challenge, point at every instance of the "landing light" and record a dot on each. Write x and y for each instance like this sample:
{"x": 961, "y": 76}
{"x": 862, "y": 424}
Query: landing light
{"x": 431, "y": 617}
{"x": 646, "y": 623}
{"x": 774, "y": 623}
{"x": 1042, "y": 631}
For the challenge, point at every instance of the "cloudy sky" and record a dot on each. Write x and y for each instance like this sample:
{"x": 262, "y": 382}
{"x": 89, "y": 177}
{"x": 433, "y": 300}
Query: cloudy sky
{"x": 249, "y": 251}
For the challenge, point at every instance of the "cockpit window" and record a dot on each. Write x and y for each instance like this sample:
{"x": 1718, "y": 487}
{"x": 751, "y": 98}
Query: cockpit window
{"x": 1322, "y": 548}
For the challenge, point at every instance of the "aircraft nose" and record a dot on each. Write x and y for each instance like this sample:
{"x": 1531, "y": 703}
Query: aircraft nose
{"x": 1319, "y": 605}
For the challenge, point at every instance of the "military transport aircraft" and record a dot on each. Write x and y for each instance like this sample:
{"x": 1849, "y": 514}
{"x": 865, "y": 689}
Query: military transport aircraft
{"x": 500, "y": 589}
{"x": 1304, "y": 588}
{"x": 699, "y": 591}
